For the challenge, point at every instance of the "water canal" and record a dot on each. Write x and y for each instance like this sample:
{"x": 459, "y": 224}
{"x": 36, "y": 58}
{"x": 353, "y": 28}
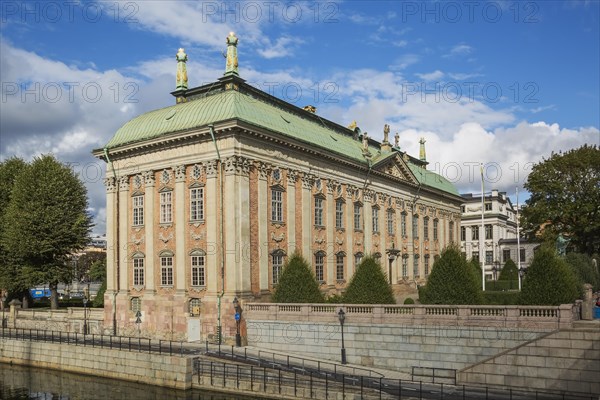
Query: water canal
{"x": 24, "y": 383}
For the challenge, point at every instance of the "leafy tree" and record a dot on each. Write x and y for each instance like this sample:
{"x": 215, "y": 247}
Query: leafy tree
{"x": 584, "y": 269}
{"x": 509, "y": 272}
{"x": 10, "y": 278}
{"x": 369, "y": 285}
{"x": 549, "y": 280}
{"x": 453, "y": 280}
{"x": 86, "y": 261}
{"x": 409, "y": 300}
{"x": 46, "y": 222}
{"x": 565, "y": 198}
{"x": 297, "y": 283}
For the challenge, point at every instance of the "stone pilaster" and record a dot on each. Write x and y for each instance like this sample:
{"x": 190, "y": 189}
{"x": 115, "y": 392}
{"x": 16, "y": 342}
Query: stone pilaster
{"x": 111, "y": 239}
{"x": 330, "y": 238}
{"x": 368, "y": 221}
{"x": 263, "y": 218}
{"x": 349, "y": 226}
{"x": 307, "y": 215}
{"x": 292, "y": 177}
{"x": 237, "y": 225}
{"x": 213, "y": 239}
{"x": 149, "y": 196}
{"x": 180, "y": 224}
{"x": 123, "y": 261}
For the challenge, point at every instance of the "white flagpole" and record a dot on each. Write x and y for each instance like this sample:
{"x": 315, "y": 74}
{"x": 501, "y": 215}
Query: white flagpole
{"x": 518, "y": 241}
{"x": 482, "y": 235}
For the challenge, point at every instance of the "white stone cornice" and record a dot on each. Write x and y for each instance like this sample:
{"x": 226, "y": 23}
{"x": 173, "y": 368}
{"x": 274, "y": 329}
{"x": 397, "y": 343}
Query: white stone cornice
{"x": 180, "y": 173}
{"x": 110, "y": 185}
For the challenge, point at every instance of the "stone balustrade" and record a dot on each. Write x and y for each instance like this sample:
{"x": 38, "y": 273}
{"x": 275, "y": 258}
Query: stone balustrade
{"x": 533, "y": 317}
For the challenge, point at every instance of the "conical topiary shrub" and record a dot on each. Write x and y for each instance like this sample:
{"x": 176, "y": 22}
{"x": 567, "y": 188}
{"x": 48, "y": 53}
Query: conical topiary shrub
{"x": 509, "y": 271}
{"x": 453, "y": 280}
{"x": 549, "y": 280}
{"x": 369, "y": 285}
{"x": 297, "y": 283}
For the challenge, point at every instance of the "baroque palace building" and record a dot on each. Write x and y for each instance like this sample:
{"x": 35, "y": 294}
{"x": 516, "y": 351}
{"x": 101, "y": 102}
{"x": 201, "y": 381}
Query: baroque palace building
{"x": 207, "y": 198}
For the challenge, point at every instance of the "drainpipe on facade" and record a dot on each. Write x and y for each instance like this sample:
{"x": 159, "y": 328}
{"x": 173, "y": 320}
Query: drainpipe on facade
{"x": 114, "y": 310}
{"x": 220, "y": 295}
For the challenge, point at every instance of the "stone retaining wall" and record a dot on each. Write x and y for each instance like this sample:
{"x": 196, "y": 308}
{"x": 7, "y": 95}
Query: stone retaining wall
{"x": 63, "y": 320}
{"x": 150, "y": 368}
{"x": 568, "y": 360}
{"x": 390, "y": 346}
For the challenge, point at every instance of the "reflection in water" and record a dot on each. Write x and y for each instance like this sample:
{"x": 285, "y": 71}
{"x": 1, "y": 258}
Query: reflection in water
{"x": 24, "y": 383}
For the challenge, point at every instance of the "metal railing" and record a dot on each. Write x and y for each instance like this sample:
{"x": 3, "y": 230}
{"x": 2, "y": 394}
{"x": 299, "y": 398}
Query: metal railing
{"x": 285, "y": 361}
{"x": 263, "y": 379}
{"x": 446, "y": 375}
{"x": 138, "y": 344}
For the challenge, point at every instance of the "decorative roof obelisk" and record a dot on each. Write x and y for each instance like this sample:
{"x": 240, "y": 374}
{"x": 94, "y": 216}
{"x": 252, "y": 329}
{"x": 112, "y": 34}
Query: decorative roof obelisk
{"x": 231, "y": 68}
{"x": 182, "y": 78}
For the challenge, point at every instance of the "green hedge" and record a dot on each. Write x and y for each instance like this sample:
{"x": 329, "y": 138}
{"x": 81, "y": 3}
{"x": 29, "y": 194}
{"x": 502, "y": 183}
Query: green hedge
{"x": 502, "y": 285}
{"x": 501, "y": 298}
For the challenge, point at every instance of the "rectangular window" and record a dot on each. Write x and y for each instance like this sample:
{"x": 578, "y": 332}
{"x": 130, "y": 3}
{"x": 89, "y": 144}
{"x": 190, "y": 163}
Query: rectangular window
{"x": 522, "y": 255}
{"x": 505, "y": 255}
{"x": 357, "y": 216}
{"x": 357, "y": 260}
{"x": 339, "y": 214}
{"x": 197, "y": 204}
{"x": 488, "y": 206}
{"x": 403, "y": 224}
{"x": 462, "y": 209}
{"x": 451, "y": 231}
{"x": 416, "y": 266}
{"x": 415, "y": 226}
{"x": 319, "y": 259}
{"x": 277, "y": 205}
{"x": 474, "y": 233}
{"x": 426, "y": 265}
{"x": 339, "y": 267}
{"x": 318, "y": 211}
{"x": 426, "y": 228}
{"x": 375, "y": 220}
{"x": 138, "y": 272}
{"x": 489, "y": 257}
{"x": 198, "y": 271}
{"x": 405, "y": 267}
{"x": 488, "y": 232}
{"x": 390, "y": 222}
{"x": 138, "y": 210}
{"x": 475, "y": 256}
{"x": 463, "y": 233}
{"x": 277, "y": 267}
{"x": 435, "y": 229}
{"x": 166, "y": 271}
{"x": 166, "y": 207}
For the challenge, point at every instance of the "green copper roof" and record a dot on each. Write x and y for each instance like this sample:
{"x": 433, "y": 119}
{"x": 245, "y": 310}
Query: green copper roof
{"x": 431, "y": 179}
{"x": 235, "y": 105}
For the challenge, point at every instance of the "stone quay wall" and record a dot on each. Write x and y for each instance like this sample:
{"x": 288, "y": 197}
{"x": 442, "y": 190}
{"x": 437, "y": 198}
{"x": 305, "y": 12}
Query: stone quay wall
{"x": 403, "y": 336}
{"x": 63, "y": 320}
{"x": 155, "y": 369}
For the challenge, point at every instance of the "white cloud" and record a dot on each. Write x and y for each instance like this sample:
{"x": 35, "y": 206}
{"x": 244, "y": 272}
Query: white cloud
{"x": 459, "y": 50}
{"x": 431, "y": 76}
{"x": 283, "y": 47}
{"x": 405, "y": 61}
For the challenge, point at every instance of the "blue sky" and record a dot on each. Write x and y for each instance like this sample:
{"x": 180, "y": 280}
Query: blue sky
{"x": 499, "y": 82}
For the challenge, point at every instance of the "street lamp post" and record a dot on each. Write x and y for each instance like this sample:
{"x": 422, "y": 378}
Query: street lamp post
{"x": 238, "y": 317}
{"x": 342, "y": 317}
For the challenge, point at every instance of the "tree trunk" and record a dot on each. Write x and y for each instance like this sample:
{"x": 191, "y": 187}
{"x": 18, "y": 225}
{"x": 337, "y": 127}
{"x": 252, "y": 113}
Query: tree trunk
{"x": 54, "y": 296}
